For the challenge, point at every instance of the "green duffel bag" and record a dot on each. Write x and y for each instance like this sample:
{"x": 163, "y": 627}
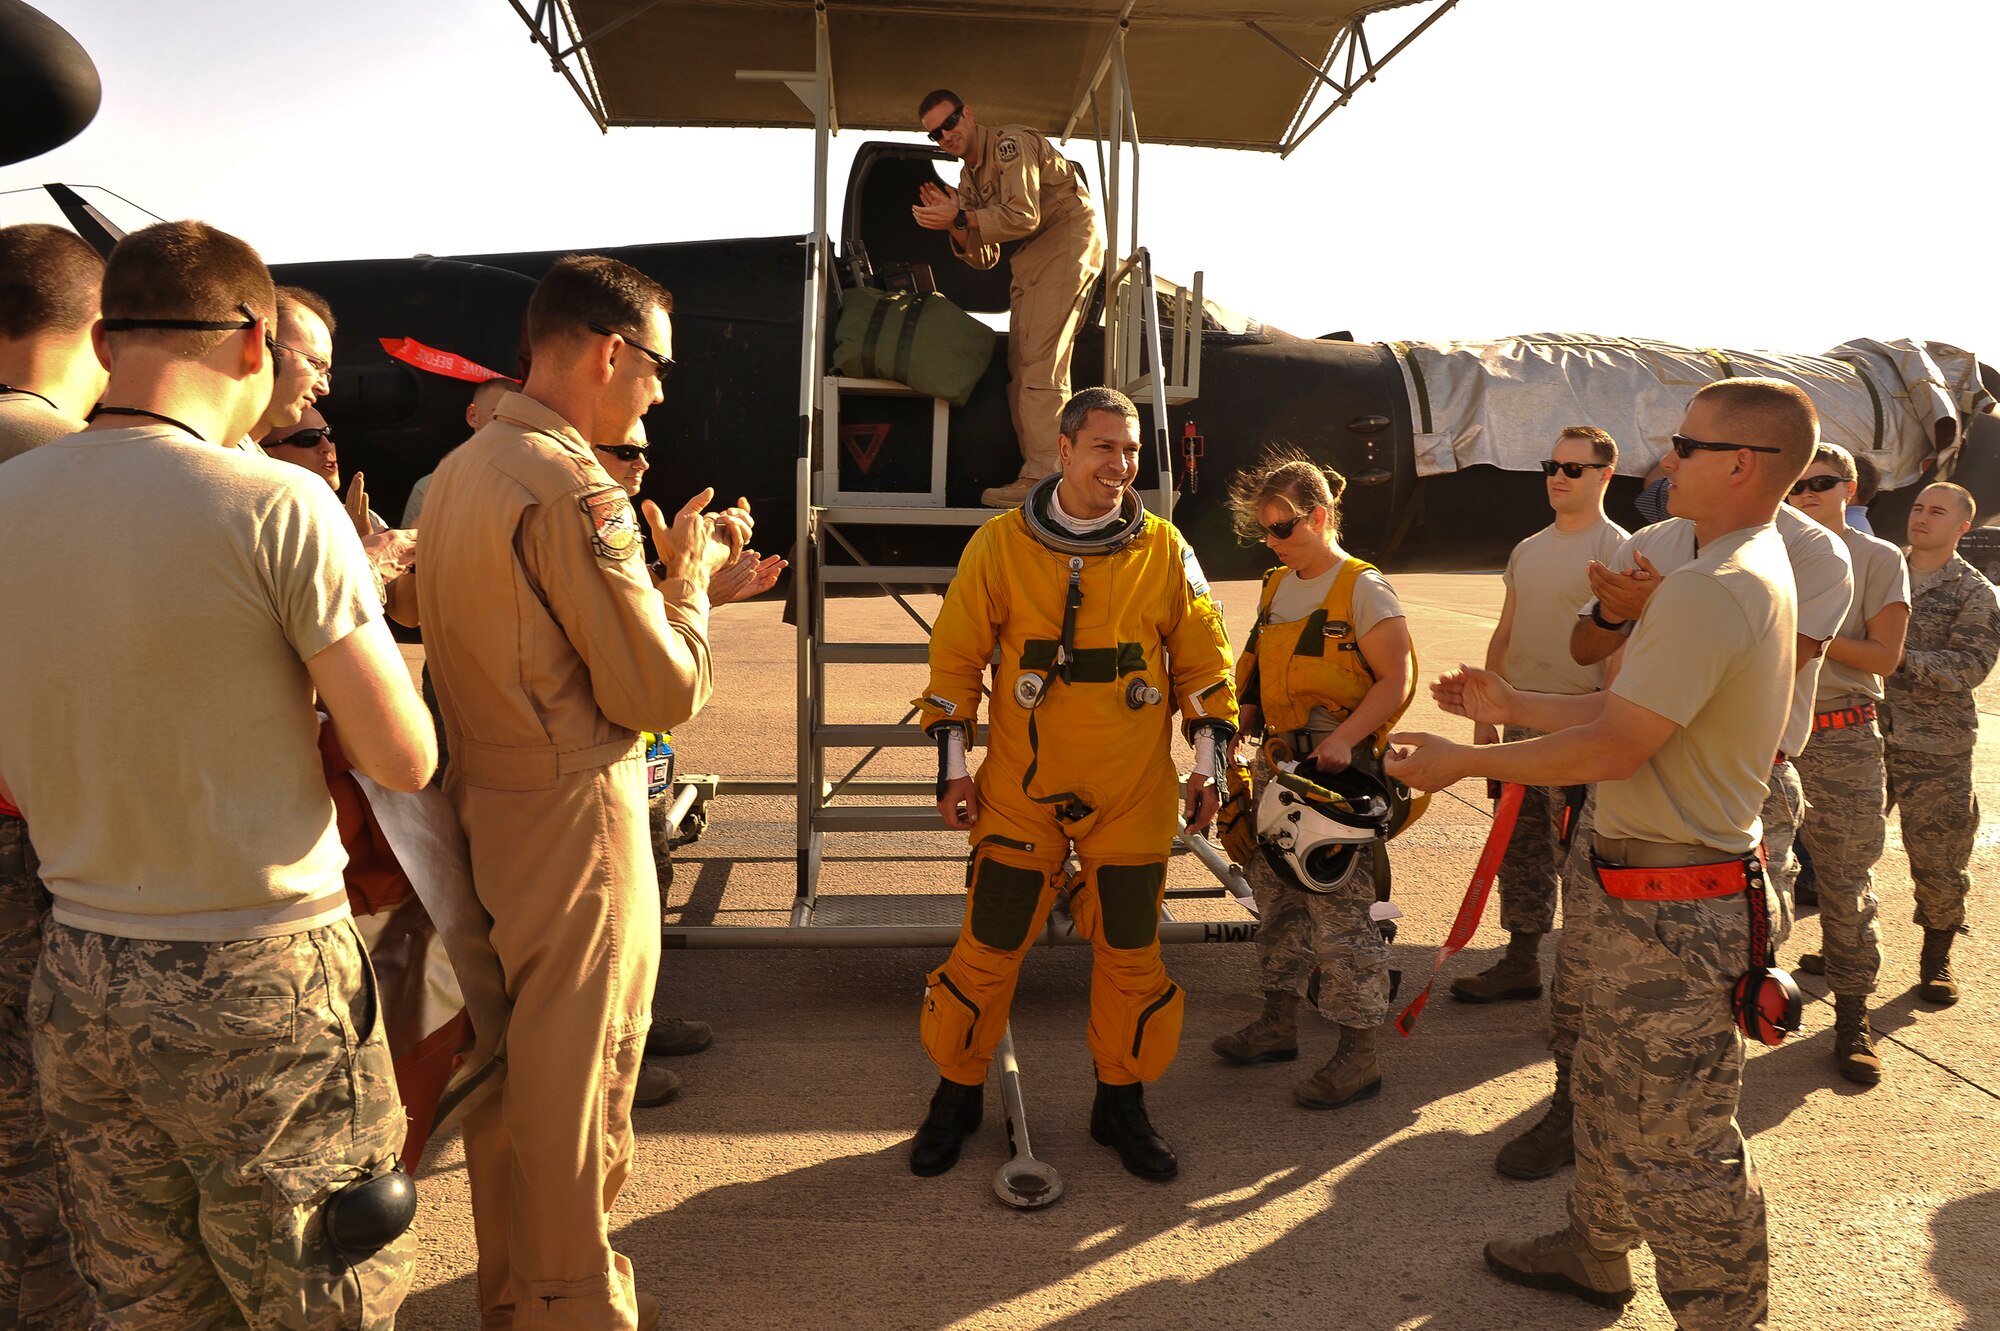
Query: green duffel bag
{"x": 923, "y": 341}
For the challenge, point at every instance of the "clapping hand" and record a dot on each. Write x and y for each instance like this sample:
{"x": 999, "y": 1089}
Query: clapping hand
{"x": 937, "y": 208}
{"x": 698, "y": 544}
{"x": 748, "y": 575}
{"x": 1423, "y": 762}
{"x": 1622, "y": 597}
{"x": 357, "y": 505}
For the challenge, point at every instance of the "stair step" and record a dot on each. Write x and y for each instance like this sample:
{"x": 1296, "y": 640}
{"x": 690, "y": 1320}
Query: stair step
{"x": 875, "y": 653}
{"x": 845, "y": 736}
{"x": 881, "y": 818}
{"x": 889, "y": 516}
{"x": 902, "y": 575}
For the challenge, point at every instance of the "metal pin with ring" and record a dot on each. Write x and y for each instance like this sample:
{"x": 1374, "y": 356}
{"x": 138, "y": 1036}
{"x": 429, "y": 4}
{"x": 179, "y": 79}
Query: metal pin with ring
{"x": 1139, "y": 694}
{"x": 1029, "y": 690}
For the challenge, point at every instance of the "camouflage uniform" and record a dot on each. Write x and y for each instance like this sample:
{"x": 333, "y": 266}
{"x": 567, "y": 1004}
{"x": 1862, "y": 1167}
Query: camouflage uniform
{"x": 1659, "y": 1071}
{"x": 1784, "y": 809}
{"x": 39, "y": 1288}
{"x": 205, "y": 1099}
{"x": 1529, "y": 873}
{"x": 1577, "y": 961}
{"x": 1930, "y": 725}
{"x": 1299, "y": 930}
{"x": 1841, "y": 770}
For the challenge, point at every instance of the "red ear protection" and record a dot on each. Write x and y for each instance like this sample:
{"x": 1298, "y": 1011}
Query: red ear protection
{"x": 1767, "y": 1004}
{"x": 1765, "y": 1000}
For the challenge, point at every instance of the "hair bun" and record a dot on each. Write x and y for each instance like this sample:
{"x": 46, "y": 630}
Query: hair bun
{"x": 1334, "y": 482}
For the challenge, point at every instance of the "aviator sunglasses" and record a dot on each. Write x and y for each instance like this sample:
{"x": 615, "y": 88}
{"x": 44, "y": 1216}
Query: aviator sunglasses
{"x": 662, "y": 364}
{"x": 1282, "y": 531}
{"x": 623, "y": 452}
{"x": 1819, "y": 485}
{"x": 1686, "y": 447}
{"x": 1573, "y": 470}
{"x": 944, "y": 126}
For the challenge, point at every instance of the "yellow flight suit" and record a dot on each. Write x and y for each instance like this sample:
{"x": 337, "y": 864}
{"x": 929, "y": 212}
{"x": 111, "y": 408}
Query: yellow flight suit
{"x": 1024, "y": 189}
{"x": 551, "y": 649}
{"x": 1084, "y": 767}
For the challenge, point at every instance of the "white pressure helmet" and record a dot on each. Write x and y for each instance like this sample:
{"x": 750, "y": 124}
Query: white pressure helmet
{"x": 1321, "y": 829}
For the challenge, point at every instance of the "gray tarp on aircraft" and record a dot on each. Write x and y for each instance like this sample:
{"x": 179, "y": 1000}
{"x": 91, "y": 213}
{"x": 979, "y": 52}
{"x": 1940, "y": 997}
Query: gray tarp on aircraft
{"x": 1200, "y": 74}
{"x": 1502, "y": 403}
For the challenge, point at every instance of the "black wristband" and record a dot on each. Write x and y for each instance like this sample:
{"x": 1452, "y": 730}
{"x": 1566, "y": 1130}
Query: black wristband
{"x": 1597, "y": 618}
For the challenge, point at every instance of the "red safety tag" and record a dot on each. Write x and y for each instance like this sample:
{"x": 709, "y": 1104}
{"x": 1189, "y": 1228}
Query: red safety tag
{"x": 1505, "y": 814}
{"x": 447, "y": 363}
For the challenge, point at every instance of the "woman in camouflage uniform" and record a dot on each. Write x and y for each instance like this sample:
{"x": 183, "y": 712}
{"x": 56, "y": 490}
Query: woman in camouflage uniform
{"x": 1326, "y": 672}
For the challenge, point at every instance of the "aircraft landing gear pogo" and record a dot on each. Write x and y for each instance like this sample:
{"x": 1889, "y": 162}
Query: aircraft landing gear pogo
{"x": 1024, "y": 1182}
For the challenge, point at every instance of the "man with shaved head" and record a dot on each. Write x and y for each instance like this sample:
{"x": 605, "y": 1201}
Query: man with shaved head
{"x": 50, "y": 377}
{"x": 1680, "y": 747}
{"x": 485, "y": 397}
{"x": 1930, "y": 722}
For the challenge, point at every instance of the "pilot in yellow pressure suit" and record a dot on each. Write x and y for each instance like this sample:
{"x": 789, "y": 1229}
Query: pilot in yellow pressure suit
{"x": 1103, "y": 623}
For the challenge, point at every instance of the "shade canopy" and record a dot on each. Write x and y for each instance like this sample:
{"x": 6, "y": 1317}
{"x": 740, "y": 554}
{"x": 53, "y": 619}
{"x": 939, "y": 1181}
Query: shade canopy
{"x": 1226, "y": 75}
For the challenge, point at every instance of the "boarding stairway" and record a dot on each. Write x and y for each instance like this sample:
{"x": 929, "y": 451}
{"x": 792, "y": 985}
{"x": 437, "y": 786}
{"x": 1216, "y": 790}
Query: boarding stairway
{"x": 835, "y": 795}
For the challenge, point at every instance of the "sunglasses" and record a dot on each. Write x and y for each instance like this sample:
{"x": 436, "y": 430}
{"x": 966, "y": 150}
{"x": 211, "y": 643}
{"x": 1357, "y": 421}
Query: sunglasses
{"x": 945, "y": 126}
{"x": 1573, "y": 470}
{"x": 662, "y": 365}
{"x": 249, "y": 320}
{"x": 1686, "y": 447}
{"x": 623, "y": 452}
{"x": 1282, "y": 531}
{"x": 1819, "y": 485}
{"x": 307, "y": 438}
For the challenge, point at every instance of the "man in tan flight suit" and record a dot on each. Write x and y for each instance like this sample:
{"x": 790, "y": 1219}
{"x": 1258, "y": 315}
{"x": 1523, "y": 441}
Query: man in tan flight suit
{"x": 1015, "y": 185}
{"x": 551, "y": 648}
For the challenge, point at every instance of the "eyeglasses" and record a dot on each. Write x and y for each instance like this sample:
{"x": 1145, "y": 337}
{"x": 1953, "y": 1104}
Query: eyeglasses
{"x": 1573, "y": 470}
{"x": 662, "y": 365}
{"x": 1282, "y": 531}
{"x": 319, "y": 366}
{"x": 623, "y": 452}
{"x": 307, "y": 438}
{"x": 1819, "y": 485}
{"x": 1686, "y": 447}
{"x": 944, "y": 126}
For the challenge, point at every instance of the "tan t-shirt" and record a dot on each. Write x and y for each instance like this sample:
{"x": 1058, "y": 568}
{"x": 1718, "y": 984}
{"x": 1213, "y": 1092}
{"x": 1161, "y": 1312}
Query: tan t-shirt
{"x": 163, "y": 595}
{"x": 1548, "y": 575}
{"x": 1881, "y": 579}
{"x": 1820, "y": 573}
{"x": 28, "y": 422}
{"x": 1713, "y": 654}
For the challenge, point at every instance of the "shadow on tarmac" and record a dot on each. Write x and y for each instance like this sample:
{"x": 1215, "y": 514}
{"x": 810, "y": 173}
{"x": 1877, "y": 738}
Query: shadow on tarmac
{"x": 1962, "y": 1258}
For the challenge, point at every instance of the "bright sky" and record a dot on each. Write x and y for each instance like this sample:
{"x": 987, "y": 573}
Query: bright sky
{"x": 1781, "y": 174}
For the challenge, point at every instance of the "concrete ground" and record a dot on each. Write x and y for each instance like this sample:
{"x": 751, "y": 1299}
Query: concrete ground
{"x": 775, "y": 1191}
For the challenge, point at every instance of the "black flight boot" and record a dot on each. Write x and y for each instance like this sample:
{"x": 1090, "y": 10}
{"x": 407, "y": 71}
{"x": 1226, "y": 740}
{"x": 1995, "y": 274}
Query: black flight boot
{"x": 1118, "y": 1120}
{"x": 956, "y": 1112}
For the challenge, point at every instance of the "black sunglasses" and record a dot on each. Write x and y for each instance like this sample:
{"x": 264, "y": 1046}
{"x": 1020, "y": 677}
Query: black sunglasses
{"x": 949, "y": 123}
{"x": 662, "y": 365}
{"x": 1573, "y": 470}
{"x": 307, "y": 438}
{"x": 1282, "y": 531}
{"x": 1686, "y": 447}
{"x": 1819, "y": 485}
{"x": 623, "y": 452}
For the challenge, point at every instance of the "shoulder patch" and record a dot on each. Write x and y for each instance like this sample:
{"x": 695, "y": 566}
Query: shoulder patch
{"x": 1009, "y": 149}
{"x": 614, "y": 530}
{"x": 1197, "y": 582}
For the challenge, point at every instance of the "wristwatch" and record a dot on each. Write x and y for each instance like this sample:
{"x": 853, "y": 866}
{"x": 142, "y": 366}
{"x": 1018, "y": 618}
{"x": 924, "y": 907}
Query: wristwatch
{"x": 958, "y": 222}
{"x": 1597, "y": 618}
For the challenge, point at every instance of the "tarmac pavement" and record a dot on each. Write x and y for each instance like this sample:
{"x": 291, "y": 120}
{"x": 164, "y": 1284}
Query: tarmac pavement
{"x": 775, "y": 1191}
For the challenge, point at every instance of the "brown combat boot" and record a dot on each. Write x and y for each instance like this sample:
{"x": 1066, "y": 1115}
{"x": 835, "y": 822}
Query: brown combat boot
{"x": 1353, "y": 1073}
{"x": 1934, "y": 969}
{"x": 1564, "y": 1261}
{"x": 1550, "y": 1144}
{"x": 1853, "y": 1047}
{"x": 1272, "y": 1038}
{"x": 1518, "y": 974}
